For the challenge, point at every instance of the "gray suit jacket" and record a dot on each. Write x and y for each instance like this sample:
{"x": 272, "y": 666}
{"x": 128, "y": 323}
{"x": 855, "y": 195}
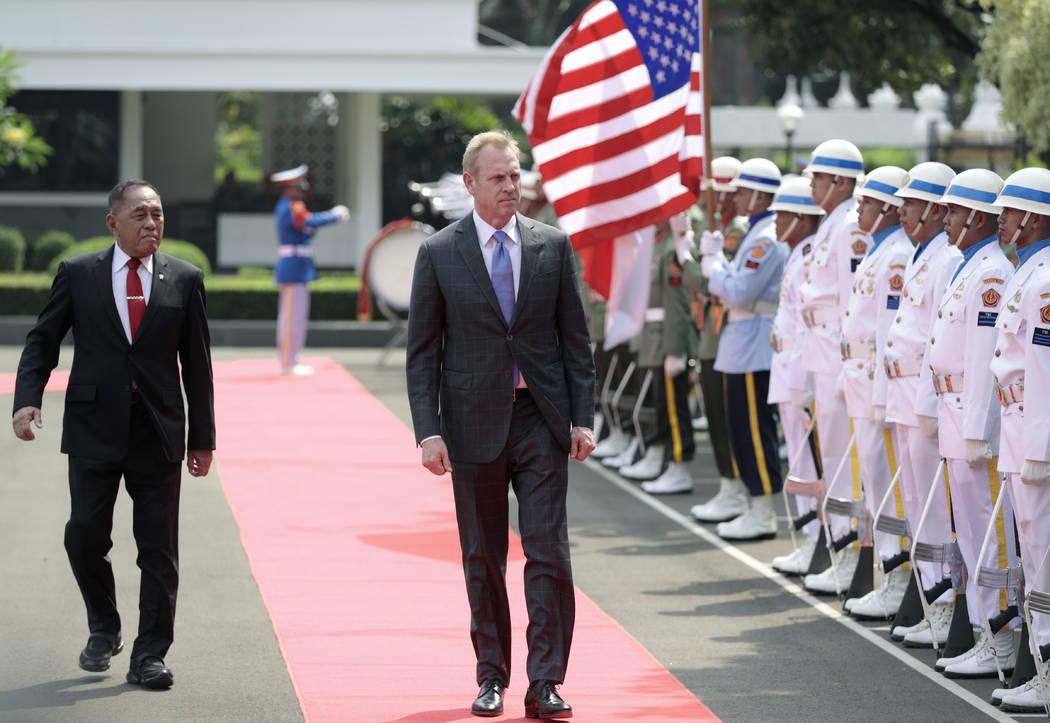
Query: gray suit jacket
{"x": 461, "y": 350}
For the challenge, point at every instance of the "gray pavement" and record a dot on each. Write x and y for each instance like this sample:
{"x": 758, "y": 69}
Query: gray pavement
{"x": 749, "y": 649}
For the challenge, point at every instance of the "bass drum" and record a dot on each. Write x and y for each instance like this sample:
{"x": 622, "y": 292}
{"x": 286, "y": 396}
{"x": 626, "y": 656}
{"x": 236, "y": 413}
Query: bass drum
{"x": 389, "y": 263}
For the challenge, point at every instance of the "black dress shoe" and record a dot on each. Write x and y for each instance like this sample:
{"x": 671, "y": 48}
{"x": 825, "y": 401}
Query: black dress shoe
{"x": 489, "y": 702}
{"x": 99, "y": 649}
{"x": 543, "y": 701}
{"x": 149, "y": 672}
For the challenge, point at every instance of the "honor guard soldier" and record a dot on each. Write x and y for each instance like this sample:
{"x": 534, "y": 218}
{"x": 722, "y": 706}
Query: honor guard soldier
{"x": 732, "y": 499}
{"x": 1021, "y": 365}
{"x": 295, "y": 263}
{"x": 790, "y": 385}
{"x": 749, "y": 286}
{"x": 838, "y": 249}
{"x": 873, "y": 304}
{"x": 962, "y": 342}
{"x": 931, "y": 265}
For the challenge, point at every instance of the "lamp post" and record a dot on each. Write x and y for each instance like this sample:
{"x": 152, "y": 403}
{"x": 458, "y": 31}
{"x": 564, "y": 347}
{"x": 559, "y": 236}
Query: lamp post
{"x": 789, "y": 114}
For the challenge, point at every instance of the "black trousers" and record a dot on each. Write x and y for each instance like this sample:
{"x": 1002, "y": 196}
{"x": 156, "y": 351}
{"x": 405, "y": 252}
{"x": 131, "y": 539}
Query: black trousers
{"x": 712, "y": 386}
{"x": 753, "y": 432}
{"x": 674, "y": 423}
{"x": 153, "y": 483}
{"x": 536, "y": 466}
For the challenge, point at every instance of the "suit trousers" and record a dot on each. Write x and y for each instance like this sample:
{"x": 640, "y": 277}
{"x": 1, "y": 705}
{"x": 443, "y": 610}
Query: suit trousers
{"x": 293, "y": 314}
{"x": 753, "y": 432}
{"x": 713, "y": 387}
{"x": 536, "y": 466}
{"x": 153, "y": 483}
{"x": 674, "y": 424}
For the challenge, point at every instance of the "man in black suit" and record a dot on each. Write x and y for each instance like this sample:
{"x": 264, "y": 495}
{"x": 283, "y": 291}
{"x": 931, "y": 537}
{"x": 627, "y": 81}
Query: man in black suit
{"x": 501, "y": 387}
{"x": 136, "y": 315}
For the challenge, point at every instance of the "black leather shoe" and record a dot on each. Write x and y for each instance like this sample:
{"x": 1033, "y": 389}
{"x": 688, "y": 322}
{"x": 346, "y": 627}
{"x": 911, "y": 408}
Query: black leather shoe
{"x": 99, "y": 649}
{"x": 543, "y": 701}
{"x": 489, "y": 702}
{"x": 149, "y": 672}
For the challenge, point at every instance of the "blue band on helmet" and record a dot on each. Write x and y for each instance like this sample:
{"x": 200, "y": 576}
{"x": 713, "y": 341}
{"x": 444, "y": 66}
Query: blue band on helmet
{"x": 928, "y": 187}
{"x": 758, "y": 179}
{"x": 1029, "y": 194}
{"x": 879, "y": 186}
{"x": 800, "y": 200}
{"x": 837, "y": 163}
{"x": 971, "y": 193}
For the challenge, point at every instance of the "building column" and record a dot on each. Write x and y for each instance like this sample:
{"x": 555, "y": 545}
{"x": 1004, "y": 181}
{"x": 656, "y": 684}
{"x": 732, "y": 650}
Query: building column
{"x": 362, "y": 181}
{"x": 132, "y": 136}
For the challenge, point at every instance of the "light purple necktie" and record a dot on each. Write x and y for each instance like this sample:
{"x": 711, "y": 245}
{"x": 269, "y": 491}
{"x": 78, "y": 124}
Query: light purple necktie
{"x": 503, "y": 282}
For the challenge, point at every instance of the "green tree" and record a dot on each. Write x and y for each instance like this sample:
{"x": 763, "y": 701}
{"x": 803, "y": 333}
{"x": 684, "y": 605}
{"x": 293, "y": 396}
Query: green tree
{"x": 1014, "y": 57}
{"x": 19, "y": 142}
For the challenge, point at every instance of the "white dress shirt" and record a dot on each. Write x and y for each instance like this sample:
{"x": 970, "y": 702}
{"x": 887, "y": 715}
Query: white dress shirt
{"x": 120, "y": 284}
{"x": 488, "y": 245}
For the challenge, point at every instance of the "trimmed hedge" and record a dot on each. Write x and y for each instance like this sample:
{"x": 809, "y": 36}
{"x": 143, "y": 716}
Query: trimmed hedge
{"x": 46, "y": 247}
{"x": 173, "y": 247}
{"x": 12, "y": 249}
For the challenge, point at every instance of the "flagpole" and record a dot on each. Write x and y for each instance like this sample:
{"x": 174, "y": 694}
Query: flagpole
{"x": 705, "y": 80}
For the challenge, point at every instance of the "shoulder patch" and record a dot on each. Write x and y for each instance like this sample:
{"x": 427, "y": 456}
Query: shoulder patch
{"x": 991, "y": 297}
{"x": 757, "y": 252}
{"x": 994, "y": 280}
{"x": 1044, "y": 296}
{"x": 859, "y": 248}
{"x": 1044, "y": 314}
{"x": 898, "y": 266}
{"x": 896, "y": 282}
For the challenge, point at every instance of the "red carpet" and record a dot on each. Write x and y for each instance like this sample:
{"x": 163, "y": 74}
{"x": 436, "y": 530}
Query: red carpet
{"x": 354, "y": 548}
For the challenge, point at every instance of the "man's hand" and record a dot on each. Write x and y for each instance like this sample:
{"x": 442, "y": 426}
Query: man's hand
{"x": 712, "y": 265}
{"x": 711, "y": 243}
{"x": 802, "y": 400}
{"x": 342, "y": 212}
{"x": 435, "y": 456}
{"x": 23, "y": 420}
{"x": 976, "y": 451}
{"x": 675, "y": 365}
{"x": 928, "y": 426}
{"x": 198, "y": 462}
{"x": 582, "y": 443}
{"x": 1034, "y": 472}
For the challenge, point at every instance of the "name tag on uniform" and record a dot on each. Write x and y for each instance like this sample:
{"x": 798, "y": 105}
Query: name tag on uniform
{"x": 1041, "y": 337}
{"x": 893, "y": 301}
{"x": 986, "y": 318}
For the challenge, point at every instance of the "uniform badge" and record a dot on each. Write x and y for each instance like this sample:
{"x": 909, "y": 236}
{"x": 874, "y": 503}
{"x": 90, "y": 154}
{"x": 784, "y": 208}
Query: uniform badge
{"x": 758, "y": 252}
{"x": 859, "y": 248}
{"x": 896, "y": 282}
{"x": 1044, "y": 314}
{"x": 991, "y": 297}
{"x": 806, "y": 249}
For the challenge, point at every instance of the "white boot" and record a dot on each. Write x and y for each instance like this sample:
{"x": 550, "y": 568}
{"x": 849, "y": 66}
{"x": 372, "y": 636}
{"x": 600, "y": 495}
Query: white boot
{"x": 625, "y": 457}
{"x": 844, "y": 567}
{"x": 940, "y": 619}
{"x": 648, "y": 467}
{"x": 675, "y": 479}
{"x": 612, "y": 445}
{"x": 982, "y": 664}
{"x": 732, "y": 500}
{"x": 758, "y": 523}
{"x": 887, "y": 599}
{"x": 1028, "y": 698}
{"x": 700, "y": 424}
{"x": 944, "y": 662}
{"x": 798, "y": 561}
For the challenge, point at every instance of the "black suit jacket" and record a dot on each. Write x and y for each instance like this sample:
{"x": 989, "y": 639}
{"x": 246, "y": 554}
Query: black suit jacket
{"x": 174, "y": 329}
{"x": 461, "y": 350}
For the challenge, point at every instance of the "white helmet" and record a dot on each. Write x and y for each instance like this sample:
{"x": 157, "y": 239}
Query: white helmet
{"x": 795, "y": 196}
{"x": 1027, "y": 190}
{"x": 837, "y": 157}
{"x": 882, "y": 183}
{"x": 927, "y": 181}
{"x": 758, "y": 174}
{"x": 975, "y": 189}
{"x": 723, "y": 170}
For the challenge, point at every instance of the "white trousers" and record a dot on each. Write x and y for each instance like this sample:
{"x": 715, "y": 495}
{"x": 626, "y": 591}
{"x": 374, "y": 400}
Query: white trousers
{"x": 293, "y": 310}
{"x": 919, "y": 460}
{"x": 877, "y": 458}
{"x": 794, "y": 427}
{"x": 833, "y": 434}
{"x": 1032, "y": 512}
{"x": 974, "y": 490}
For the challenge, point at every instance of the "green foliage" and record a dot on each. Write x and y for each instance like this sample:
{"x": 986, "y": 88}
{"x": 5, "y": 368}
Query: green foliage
{"x": 12, "y": 249}
{"x": 179, "y": 249}
{"x": 19, "y": 143}
{"x": 875, "y": 157}
{"x": 45, "y": 247}
{"x": 1014, "y": 57}
{"x": 238, "y": 141}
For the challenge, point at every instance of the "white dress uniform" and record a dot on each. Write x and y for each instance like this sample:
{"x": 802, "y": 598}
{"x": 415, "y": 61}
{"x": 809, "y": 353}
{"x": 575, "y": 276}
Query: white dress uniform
{"x": 905, "y": 356}
{"x": 873, "y": 304}
{"x": 1021, "y": 365}
{"x": 786, "y": 371}
{"x": 838, "y": 248}
{"x": 962, "y": 342}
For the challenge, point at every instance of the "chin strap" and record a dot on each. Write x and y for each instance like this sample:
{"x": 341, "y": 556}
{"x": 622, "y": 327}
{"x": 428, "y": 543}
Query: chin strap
{"x": 966, "y": 226}
{"x": 1021, "y": 227}
{"x": 751, "y": 201}
{"x": 925, "y": 212}
{"x": 787, "y": 234}
{"x": 831, "y": 187}
{"x": 882, "y": 215}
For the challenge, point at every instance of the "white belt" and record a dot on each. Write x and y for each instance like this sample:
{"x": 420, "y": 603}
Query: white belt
{"x": 781, "y": 343}
{"x": 759, "y": 308}
{"x": 654, "y": 314}
{"x": 857, "y": 349}
{"x": 1011, "y": 393}
{"x": 945, "y": 383}
{"x": 905, "y": 368}
{"x": 815, "y": 317}
{"x": 285, "y": 250}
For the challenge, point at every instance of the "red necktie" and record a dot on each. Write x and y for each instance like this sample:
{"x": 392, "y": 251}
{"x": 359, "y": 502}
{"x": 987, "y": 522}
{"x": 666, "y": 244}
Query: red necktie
{"x": 136, "y": 299}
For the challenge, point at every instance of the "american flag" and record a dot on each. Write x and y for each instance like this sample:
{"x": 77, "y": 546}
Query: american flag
{"x": 614, "y": 118}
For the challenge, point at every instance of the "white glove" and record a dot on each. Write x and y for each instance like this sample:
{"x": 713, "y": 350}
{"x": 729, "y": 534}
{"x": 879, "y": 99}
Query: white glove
{"x": 712, "y": 264}
{"x": 674, "y": 365}
{"x": 802, "y": 400}
{"x": 977, "y": 451}
{"x": 840, "y": 385}
{"x": 1035, "y": 473}
{"x": 683, "y": 246}
{"x": 342, "y": 212}
{"x": 711, "y": 242}
{"x": 928, "y": 426}
{"x": 878, "y": 414}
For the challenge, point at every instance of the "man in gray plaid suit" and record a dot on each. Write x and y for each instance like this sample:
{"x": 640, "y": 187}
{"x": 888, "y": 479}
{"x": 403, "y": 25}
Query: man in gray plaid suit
{"x": 501, "y": 386}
